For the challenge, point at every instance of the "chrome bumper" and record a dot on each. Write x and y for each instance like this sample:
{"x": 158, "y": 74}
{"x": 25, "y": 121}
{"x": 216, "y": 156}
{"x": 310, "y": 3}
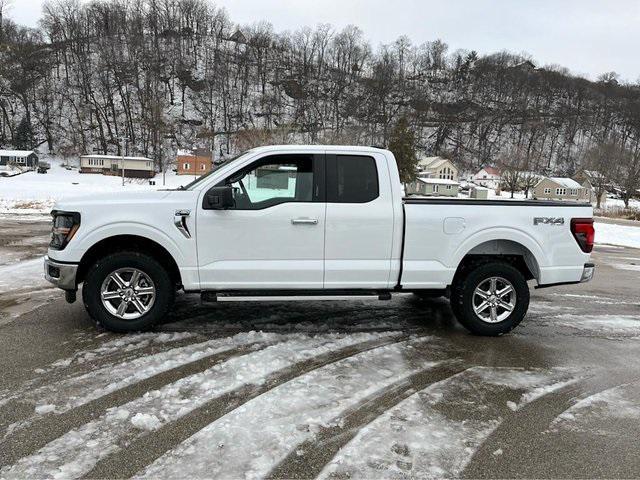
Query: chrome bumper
{"x": 588, "y": 272}
{"x": 62, "y": 275}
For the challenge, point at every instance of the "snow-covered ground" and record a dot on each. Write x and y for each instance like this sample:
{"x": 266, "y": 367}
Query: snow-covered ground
{"x": 33, "y": 193}
{"x": 622, "y": 235}
{"x": 616, "y": 203}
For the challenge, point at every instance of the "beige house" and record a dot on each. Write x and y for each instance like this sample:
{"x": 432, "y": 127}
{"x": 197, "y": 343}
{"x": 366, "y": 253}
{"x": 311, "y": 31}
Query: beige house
{"x": 587, "y": 179}
{"x": 441, "y": 187}
{"x": 559, "y": 188}
{"x": 134, "y": 167}
{"x": 437, "y": 176}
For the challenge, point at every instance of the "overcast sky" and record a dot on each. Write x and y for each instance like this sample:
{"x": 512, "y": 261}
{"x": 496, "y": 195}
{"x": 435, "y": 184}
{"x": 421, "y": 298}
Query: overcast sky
{"x": 587, "y": 36}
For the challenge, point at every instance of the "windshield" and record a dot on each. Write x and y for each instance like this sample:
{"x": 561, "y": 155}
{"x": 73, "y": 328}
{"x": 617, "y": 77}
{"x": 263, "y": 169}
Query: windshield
{"x": 218, "y": 164}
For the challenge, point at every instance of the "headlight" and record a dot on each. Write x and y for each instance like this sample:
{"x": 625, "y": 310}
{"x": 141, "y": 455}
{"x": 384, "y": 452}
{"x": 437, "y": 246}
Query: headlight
{"x": 65, "y": 226}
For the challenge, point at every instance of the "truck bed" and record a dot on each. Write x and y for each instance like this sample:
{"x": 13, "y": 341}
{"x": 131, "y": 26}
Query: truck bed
{"x": 437, "y": 239}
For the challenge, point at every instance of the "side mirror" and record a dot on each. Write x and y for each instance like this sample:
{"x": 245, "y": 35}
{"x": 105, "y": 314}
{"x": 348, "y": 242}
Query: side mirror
{"x": 219, "y": 198}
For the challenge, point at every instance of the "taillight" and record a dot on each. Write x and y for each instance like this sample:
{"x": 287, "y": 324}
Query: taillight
{"x": 584, "y": 233}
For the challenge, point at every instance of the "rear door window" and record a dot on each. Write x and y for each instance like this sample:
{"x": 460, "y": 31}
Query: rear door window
{"x": 351, "y": 179}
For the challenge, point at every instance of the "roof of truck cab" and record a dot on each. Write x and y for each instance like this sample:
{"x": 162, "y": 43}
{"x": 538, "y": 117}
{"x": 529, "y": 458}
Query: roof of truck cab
{"x": 316, "y": 148}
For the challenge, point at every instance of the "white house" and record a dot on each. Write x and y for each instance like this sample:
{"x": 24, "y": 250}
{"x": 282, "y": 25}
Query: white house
{"x": 488, "y": 177}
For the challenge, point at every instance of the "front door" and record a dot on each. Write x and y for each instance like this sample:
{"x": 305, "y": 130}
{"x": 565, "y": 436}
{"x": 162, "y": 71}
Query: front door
{"x": 274, "y": 236}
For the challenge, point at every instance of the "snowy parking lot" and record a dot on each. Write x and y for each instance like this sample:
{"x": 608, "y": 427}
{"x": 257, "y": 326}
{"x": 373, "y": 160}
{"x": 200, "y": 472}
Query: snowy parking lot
{"x": 360, "y": 389}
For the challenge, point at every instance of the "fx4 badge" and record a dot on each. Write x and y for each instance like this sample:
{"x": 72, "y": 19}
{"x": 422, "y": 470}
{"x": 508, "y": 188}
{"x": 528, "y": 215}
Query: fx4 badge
{"x": 548, "y": 221}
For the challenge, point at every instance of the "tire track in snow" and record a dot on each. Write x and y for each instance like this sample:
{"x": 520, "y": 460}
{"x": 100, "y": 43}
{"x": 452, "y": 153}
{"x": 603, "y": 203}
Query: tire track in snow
{"x": 75, "y": 392}
{"x": 29, "y": 438}
{"x": 195, "y": 400}
{"x": 309, "y": 459}
{"x": 619, "y": 402}
{"x": 140, "y": 452}
{"x": 429, "y": 434}
{"x": 119, "y": 349}
{"x": 253, "y": 438}
{"x": 526, "y": 427}
{"x": 595, "y": 434}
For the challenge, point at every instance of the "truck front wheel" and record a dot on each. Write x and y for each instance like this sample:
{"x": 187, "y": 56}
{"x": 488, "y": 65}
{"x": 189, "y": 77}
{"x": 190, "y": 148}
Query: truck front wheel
{"x": 490, "y": 299}
{"x": 127, "y": 292}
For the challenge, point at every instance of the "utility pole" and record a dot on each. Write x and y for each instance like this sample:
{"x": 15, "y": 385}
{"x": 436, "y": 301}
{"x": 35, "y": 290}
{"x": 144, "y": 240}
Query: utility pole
{"x": 172, "y": 139}
{"x": 124, "y": 142}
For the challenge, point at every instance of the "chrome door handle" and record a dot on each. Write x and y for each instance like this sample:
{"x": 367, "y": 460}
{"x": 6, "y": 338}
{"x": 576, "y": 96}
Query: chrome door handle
{"x": 304, "y": 221}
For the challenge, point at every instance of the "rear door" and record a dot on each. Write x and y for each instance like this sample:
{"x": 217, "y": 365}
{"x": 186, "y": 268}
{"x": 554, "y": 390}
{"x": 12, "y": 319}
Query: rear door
{"x": 359, "y": 221}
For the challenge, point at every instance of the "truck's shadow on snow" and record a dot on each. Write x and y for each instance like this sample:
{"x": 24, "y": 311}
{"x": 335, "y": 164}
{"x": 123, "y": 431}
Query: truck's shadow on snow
{"x": 405, "y": 313}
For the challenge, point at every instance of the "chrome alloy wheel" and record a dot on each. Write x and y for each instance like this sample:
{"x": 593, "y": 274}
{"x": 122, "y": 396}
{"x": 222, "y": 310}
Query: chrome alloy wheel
{"x": 494, "y": 300}
{"x": 128, "y": 293}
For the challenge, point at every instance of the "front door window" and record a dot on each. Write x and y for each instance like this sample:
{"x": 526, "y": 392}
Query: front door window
{"x": 274, "y": 180}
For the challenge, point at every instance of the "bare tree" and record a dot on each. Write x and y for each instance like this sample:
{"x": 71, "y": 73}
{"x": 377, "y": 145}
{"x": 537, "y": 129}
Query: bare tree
{"x": 630, "y": 173}
{"x": 5, "y": 5}
{"x": 601, "y": 165}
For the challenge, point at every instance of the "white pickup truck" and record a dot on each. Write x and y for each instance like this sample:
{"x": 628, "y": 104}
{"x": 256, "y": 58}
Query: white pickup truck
{"x": 296, "y": 221}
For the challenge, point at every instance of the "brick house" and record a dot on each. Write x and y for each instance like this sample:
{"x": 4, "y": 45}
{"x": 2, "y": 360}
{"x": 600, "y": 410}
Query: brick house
{"x": 194, "y": 162}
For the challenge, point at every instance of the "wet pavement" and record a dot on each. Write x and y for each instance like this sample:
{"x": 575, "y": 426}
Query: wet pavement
{"x": 355, "y": 389}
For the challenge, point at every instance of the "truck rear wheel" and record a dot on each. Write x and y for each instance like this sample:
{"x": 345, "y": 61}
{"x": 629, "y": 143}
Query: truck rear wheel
{"x": 127, "y": 292}
{"x": 491, "y": 298}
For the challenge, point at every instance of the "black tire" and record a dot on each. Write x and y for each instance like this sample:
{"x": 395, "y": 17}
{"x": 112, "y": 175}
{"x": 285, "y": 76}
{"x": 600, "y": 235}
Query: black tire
{"x": 103, "y": 267}
{"x": 462, "y": 298}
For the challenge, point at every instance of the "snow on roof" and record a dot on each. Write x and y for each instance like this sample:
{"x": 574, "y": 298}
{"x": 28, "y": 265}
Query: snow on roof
{"x": 491, "y": 171}
{"x": 566, "y": 182}
{"x": 118, "y": 157}
{"x": 439, "y": 181}
{"x": 16, "y": 153}
{"x": 185, "y": 153}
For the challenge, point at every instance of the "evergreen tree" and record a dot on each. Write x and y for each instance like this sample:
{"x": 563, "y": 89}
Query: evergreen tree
{"x": 402, "y": 143}
{"x": 24, "y": 135}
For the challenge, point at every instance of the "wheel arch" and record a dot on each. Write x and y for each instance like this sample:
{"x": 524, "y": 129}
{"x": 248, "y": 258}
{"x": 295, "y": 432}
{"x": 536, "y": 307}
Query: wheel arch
{"x": 120, "y": 243}
{"x": 506, "y": 250}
